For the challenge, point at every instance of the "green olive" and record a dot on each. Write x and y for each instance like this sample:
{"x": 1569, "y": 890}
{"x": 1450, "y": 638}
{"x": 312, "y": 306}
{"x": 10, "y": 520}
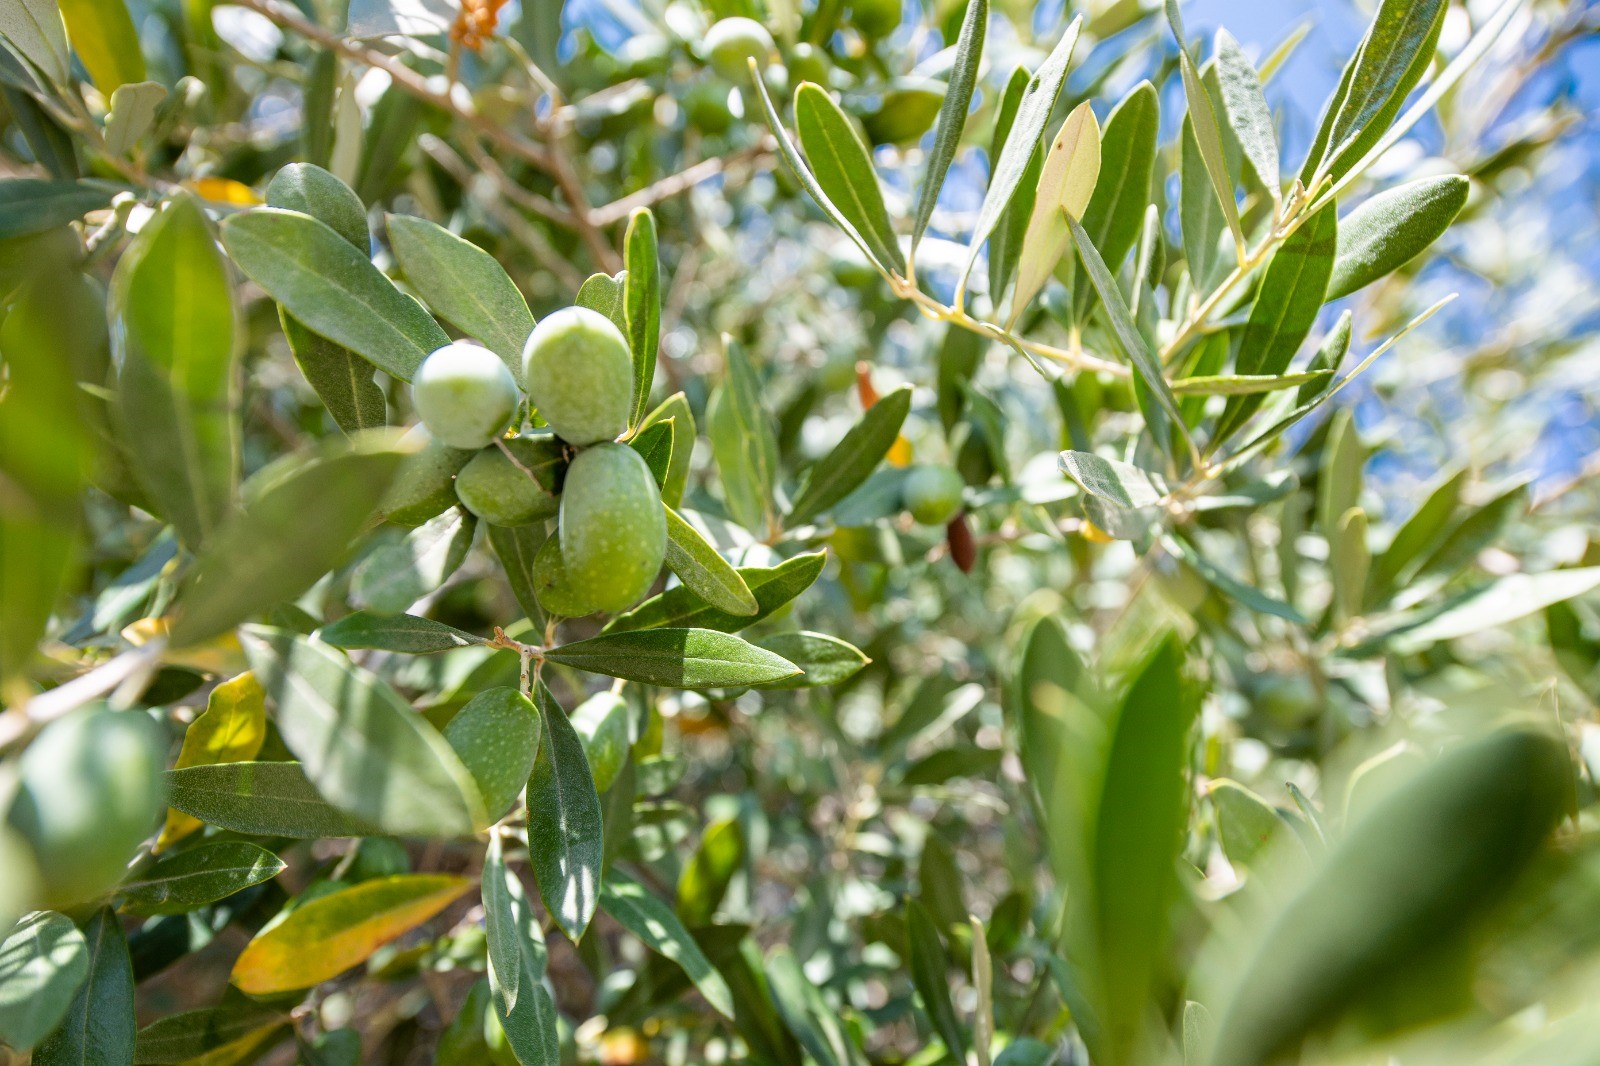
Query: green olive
{"x": 613, "y": 530}
{"x": 1288, "y": 700}
{"x": 807, "y": 62}
{"x": 906, "y": 112}
{"x": 602, "y": 725}
{"x": 579, "y": 373}
{"x": 731, "y": 42}
{"x": 875, "y": 18}
{"x": 551, "y": 586}
{"x": 933, "y": 494}
{"x": 496, "y": 735}
{"x": 707, "y": 109}
{"x": 89, "y": 791}
{"x": 513, "y": 483}
{"x": 425, "y": 483}
{"x": 465, "y": 395}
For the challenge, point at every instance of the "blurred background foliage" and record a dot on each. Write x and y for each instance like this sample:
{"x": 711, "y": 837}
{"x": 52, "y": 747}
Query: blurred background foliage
{"x": 1308, "y": 802}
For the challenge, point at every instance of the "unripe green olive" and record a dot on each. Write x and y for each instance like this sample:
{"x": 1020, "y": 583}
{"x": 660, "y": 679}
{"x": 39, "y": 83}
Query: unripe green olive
{"x": 602, "y": 725}
{"x": 613, "y": 530}
{"x": 906, "y": 112}
{"x": 579, "y": 373}
{"x": 496, "y": 735}
{"x": 933, "y": 494}
{"x": 465, "y": 395}
{"x": 425, "y": 483}
{"x": 732, "y": 41}
{"x": 875, "y": 18}
{"x": 807, "y": 62}
{"x": 89, "y": 791}
{"x": 553, "y": 588}
{"x": 706, "y": 106}
{"x": 513, "y": 485}
{"x": 1288, "y": 700}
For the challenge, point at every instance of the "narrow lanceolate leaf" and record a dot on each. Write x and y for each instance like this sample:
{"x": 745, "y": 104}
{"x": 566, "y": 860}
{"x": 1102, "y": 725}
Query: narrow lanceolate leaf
{"x": 1208, "y": 138}
{"x": 311, "y": 190}
{"x": 177, "y": 390}
{"x": 100, "y": 1026}
{"x": 33, "y": 205}
{"x": 566, "y": 834}
{"x": 326, "y": 936}
{"x": 35, "y": 28}
{"x": 1246, "y": 384}
{"x": 1066, "y": 183}
{"x": 269, "y": 552}
{"x": 397, "y": 575}
{"x": 342, "y": 379}
{"x": 1199, "y": 215}
{"x": 1142, "y": 812}
{"x": 333, "y": 288}
{"x": 743, "y": 442}
{"x": 642, "y": 303}
{"x": 1285, "y": 309}
{"x": 652, "y": 921}
{"x": 198, "y": 876}
{"x": 362, "y": 746}
{"x": 675, "y": 658}
{"x": 396, "y": 632}
{"x": 1112, "y": 480}
{"x": 1115, "y": 212}
{"x": 1246, "y": 107}
{"x": 856, "y": 456}
{"x": 464, "y": 285}
{"x": 1419, "y": 532}
{"x": 674, "y": 411}
{"x": 43, "y": 962}
{"x": 703, "y": 571}
{"x": 102, "y": 34}
{"x": 232, "y": 728}
{"x": 178, "y": 1038}
{"x": 952, "y": 112}
{"x": 680, "y": 608}
{"x": 500, "y": 925}
{"x": 807, "y": 1015}
{"x": 1144, "y": 361}
{"x": 1392, "y": 228}
{"x": 823, "y": 660}
{"x": 1033, "y": 111}
{"x": 843, "y": 167}
{"x": 1393, "y": 57}
{"x": 930, "y": 973}
{"x": 654, "y": 442}
{"x": 271, "y": 799}
{"x": 1503, "y": 600}
{"x": 1005, "y": 241}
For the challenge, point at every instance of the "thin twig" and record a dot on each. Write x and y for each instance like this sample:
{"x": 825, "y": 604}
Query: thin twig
{"x": 673, "y": 185}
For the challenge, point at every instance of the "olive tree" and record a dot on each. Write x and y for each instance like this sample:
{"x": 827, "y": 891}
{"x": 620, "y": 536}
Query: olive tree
{"x": 765, "y": 533}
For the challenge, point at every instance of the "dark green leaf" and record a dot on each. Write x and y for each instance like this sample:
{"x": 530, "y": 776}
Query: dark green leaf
{"x": 464, "y": 285}
{"x": 642, "y": 302}
{"x": 1127, "y": 160}
{"x": 269, "y": 553}
{"x": 856, "y": 456}
{"x": 704, "y": 572}
{"x": 566, "y": 835}
{"x": 843, "y": 167}
{"x": 1038, "y": 100}
{"x": 313, "y": 191}
{"x": 1005, "y": 242}
{"x": 952, "y": 112}
{"x": 708, "y": 873}
{"x": 1292, "y": 292}
{"x": 674, "y": 411}
{"x": 99, "y": 1027}
{"x": 930, "y": 969}
{"x": 652, "y": 921}
{"x": 1392, "y": 228}
{"x": 1207, "y": 134}
{"x": 396, "y": 632}
{"x": 500, "y": 925}
{"x": 177, "y": 390}
{"x": 181, "y": 1038}
{"x": 742, "y": 442}
{"x": 362, "y": 746}
{"x": 675, "y": 658}
{"x": 332, "y": 288}
{"x": 262, "y": 799}
{"x": 343, "y": 380}
{"x": 34, "y": 205}
{"x": 655, "y": 443}
{"x": 1419, "y": 532}
{"x": 823, "y": 660}
{"x": 807, "y": 1015}
{"x": 516, "y": 548}
{"x": 197, "y": 876}
{"x": 680, "y": 608}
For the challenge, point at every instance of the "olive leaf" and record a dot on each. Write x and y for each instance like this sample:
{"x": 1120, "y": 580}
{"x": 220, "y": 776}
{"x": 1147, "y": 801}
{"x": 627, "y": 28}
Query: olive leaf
{"x": 44, "y": 960}
{"x": 1207, "y": 133}
{"x": 260, "y": 798}
{"x": 100, "y": 1026}
{"x": 198, "y": 876}
{"x": 566, "y": 835}
{"x": 1393, "y": 227}
{"x": 652, "y": 921}
{"x": 843, "y": 168}
{"x": 642, "y": 304}
{"x": 676, "y": 658}
{"x": 1246, "y": 108}
{"x": 857, "y": 455}
{"x": 1005, "y": 241}
{"x": 681, "y": 608}
{"x": 106, "y": 42}
{"x": 1066, "y": 184}
{"x": 823, "y": 660}
{"x": 952, "y": 113}
{"x": 396, "y": 632}
{"x": 703, "y": 571}
{"x": 311, "y": 190}
{"x": 1115, "y": 212}
{"x": 930, "y": 967}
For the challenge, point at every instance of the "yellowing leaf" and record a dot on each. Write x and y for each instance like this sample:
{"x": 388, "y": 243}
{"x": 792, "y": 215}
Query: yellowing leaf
{"x": 231, "y": 729}
{"x": 225, "y": 191}
{"x": 1065, "y": 185}
{"x": 220, "y": 655}
{"x": 325, "y": 937}
{"x": 900, "y": 452}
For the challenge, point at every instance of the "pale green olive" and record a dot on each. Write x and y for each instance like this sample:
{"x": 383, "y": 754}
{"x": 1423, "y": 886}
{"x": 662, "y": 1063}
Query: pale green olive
{"x": 732, "y": 42}
{"x": 578, "y": 371}
{"x": 514, "y": 482}
{"x": 613, "y": 530}
{"x": 465, "y": 395}
{"x": 933, "y": 494}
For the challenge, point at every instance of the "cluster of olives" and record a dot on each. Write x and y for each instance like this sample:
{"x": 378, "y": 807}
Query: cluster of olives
{"x": 578, "y": 373}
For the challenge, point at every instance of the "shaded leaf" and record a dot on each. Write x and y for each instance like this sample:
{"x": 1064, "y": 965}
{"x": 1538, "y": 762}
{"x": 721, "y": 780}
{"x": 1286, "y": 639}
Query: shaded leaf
{"x": 183, "y": 1037}
{"x": 1246, "y": 108}
{"x": 464, "y": 285}
{"x": 823, "y": 660}
{"x": 230, "y": 729}
{"x": 680, "y": 608}
{"x": 703, "y": 571}
{"x": 198, "y": 876}
{"x": 742, "y": 441}
{"x": 856, "y": 456}
{"x": 396, "y": 632}
{"x": 930, "y": 967}
{"x": 44, "y": 960}
{"x": 501, "y": 927}
{"x": 99, "y": 1027}
{"x": 566, "y": 834}
{"x": 652, "y": 921}
{"x": 260, "y": 798}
